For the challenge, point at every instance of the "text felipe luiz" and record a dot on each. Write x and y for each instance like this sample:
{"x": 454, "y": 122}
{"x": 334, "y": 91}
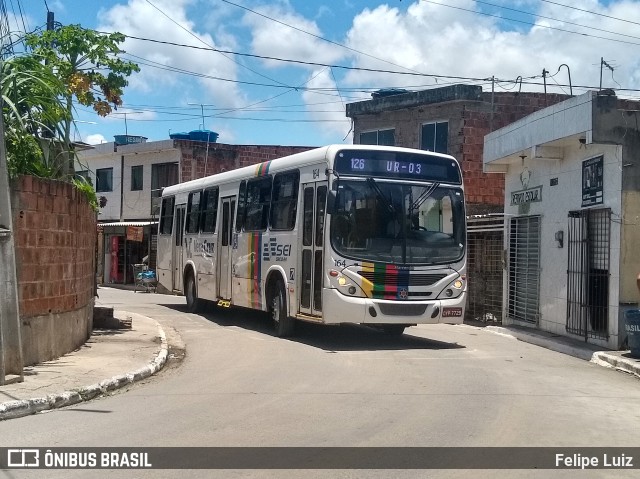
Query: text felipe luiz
{"x": 579, "y": 461}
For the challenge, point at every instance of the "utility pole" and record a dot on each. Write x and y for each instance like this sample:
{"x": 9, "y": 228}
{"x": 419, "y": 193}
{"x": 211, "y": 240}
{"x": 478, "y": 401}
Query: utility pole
{"x": 493, "y": 81}
{"x": 603, "y": 63}
{"x": 11, "y": 361}
{"x": 544, "y": 77}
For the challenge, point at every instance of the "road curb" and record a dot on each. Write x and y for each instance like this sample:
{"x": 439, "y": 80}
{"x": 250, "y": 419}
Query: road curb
{"x": 615, "y": 362}
{"x": 26, "y": 407}
{"x": 552, "y": 343}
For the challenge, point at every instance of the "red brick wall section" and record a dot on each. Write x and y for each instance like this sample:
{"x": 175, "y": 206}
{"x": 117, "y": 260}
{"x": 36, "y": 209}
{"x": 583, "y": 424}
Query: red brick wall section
{"x": 55, "y": 239}
{"x": 199, "y": 161}
{"x": 488, "y": 188}
{"x": 469, "y": 122}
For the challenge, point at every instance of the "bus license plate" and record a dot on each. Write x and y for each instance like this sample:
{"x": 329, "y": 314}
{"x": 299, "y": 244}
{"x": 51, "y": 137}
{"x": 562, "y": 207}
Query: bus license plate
{"x": 451, "y": 312}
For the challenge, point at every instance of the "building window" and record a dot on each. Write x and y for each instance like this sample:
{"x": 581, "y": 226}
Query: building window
{"x": 524, "y": 269}
{"x": 379, "y": 137}
{"x": 104, "y": 180}
{"x": 84, "y": 174}
{"x": 435, "y": 136}
{"x": 136, "y": 178}
{"x": 162, "y": 175}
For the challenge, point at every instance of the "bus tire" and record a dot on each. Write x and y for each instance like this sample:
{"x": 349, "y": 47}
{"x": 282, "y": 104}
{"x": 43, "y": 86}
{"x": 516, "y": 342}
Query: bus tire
{"x": 393, "y": 329}
{"x": 191, "y": 293}
{"x": 284, "y": 324}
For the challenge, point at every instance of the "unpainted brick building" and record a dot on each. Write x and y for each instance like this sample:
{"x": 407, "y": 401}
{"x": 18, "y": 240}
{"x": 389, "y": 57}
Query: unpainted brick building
{"x": 454, "y": 120}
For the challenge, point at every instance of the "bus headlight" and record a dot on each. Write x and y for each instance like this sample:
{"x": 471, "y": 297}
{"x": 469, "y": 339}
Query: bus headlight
{"x": 346, "y": 285}
{"x": 453, "y": 290}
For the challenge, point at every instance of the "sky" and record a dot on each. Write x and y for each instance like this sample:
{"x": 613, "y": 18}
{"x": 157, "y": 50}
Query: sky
{"x": 281, "y": 72}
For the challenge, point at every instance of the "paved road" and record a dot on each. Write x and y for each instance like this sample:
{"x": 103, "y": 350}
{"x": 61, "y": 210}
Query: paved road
{"x": 238, "y": 385}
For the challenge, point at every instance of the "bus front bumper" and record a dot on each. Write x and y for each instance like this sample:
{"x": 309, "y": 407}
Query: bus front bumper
{"x": 339, "y": 308}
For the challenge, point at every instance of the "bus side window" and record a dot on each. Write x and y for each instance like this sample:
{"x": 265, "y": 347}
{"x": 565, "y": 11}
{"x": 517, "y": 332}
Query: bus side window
{"x": 242, "y": 201}
{"x": 257, "y": 204}
{"x": 209, "y": 211}
{"x": 166, "y": 215}
{"x": 193, "y": 212}
{"x": 285, "y": 201}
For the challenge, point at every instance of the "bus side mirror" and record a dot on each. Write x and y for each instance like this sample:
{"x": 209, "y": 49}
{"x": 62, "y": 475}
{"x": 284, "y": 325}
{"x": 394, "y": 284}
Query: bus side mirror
{"x": 331, "y": 201}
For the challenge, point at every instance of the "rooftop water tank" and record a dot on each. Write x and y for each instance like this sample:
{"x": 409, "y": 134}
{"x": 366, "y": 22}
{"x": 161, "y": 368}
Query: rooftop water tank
{"x": 203, "y": 135}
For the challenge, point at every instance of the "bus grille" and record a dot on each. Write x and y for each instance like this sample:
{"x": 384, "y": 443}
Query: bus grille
{"x": 402, "y": 309}
{"x": 392, "y": 280}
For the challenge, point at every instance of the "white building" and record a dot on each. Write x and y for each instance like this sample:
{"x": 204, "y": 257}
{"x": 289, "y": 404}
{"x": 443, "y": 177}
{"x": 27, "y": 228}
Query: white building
{"x": 572, "y": 199}
{"x": 130, "y": 177}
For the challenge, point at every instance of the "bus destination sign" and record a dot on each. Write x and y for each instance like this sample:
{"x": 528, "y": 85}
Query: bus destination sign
{"x": 397, "y": 165}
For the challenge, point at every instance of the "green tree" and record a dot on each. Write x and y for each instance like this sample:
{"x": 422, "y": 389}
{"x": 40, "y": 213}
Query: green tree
{"x": 31, "y": 106}
{"x": 88, "y": 64}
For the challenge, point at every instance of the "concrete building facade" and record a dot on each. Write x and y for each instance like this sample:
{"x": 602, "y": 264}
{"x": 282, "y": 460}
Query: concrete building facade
{"x": 572, "y": 198}
{"x": 129, "y": 178}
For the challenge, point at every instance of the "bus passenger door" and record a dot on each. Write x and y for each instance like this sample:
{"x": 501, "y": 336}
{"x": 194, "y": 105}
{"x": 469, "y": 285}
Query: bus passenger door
{"x": 225, "y": 245}
{"x": 314, "y": 215}
{"x": 178, "y": 239}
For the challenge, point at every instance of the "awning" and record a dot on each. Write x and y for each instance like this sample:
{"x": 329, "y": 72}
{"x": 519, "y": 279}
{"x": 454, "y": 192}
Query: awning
{"x": 129, "y": 223}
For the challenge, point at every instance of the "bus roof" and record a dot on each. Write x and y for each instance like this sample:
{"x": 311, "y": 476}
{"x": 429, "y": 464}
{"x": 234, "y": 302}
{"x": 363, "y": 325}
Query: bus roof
{"x": 284, "y": 163}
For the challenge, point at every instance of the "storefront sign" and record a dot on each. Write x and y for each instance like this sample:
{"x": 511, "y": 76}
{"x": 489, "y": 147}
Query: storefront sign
{"x": 135, "y": 233}
{"x": 530, "y": 195}
{"x": 592, "y": 181}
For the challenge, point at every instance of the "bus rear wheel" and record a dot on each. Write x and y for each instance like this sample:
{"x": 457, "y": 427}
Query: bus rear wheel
{"x": 191, "y": 293}
{"x": 284, "y": 324}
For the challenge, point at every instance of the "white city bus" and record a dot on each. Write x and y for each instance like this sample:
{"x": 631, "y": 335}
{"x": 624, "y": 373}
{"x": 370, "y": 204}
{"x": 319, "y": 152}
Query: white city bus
{"x": 341, "y": 234}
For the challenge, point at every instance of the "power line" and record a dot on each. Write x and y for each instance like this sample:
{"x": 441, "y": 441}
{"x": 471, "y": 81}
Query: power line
{"x": 555, "y": 19}
{"x": 530, "y": 23}
{"x": 591, "y": 12}
{"x": 318, "y": 36}
{"x": 205, "y": 43}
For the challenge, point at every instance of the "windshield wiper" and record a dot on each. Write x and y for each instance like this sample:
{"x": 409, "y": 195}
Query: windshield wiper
{"x": 424, "y": 196}
{"x": 375, "y": 187}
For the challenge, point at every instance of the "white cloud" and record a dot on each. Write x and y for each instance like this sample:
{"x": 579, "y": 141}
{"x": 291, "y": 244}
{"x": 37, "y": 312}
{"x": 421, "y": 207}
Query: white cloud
{"x": 95, "y": 139}
{"x": 334, "y": 115}
{"x": 139, "y": 18}
{"x": 270, "y": 38}
{"x": 440, "y": 40}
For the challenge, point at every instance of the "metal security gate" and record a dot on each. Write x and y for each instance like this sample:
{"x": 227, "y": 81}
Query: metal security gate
{"x": 524, "y": 269}
{"x": 485, "y": 243}
{"x": 589, "y": 242}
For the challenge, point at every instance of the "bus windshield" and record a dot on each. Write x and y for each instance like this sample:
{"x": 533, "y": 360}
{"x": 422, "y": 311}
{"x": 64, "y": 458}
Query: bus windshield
{"x": 397, "y": 222}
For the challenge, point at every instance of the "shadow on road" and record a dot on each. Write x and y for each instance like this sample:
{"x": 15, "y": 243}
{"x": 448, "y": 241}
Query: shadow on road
{"x": 346, "y": 337}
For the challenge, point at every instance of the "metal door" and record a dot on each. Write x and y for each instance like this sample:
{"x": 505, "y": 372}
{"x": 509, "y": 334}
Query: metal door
{"x": 178, "y": 240}
{"x": 588, "y": 272}
{"x": 225, "y": 245}
{"x": 314, "y": 214}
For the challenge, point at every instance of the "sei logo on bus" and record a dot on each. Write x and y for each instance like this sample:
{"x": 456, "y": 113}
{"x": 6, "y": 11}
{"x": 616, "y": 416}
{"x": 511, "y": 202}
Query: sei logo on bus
{"x": 272, "y": 250}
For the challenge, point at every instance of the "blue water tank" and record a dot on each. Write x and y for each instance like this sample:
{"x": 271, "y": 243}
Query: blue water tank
{"x": 203, "y": 135}
{"x": 180, "y": 136}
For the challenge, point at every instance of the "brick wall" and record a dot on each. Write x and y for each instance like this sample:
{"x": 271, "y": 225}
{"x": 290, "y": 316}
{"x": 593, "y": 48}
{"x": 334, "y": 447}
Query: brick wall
{"x": 199, "y": 161}
{"x": 55, "y": 246}
{"x": 55, "y": 241}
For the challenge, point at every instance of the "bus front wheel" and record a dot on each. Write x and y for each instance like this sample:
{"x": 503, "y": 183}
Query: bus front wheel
{"x": 283, "y": 323}
{"x": 191, "y": 293}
